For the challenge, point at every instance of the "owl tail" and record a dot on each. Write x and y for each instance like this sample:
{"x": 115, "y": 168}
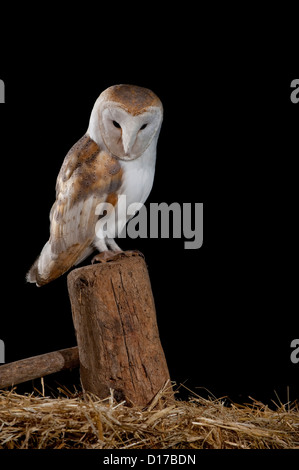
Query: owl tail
{"x": 32, "y": 273}
{"x": 50, "y": 266}
{"x": 42, "y": 271}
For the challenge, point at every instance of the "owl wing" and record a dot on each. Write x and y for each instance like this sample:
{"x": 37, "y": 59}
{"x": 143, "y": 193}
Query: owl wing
{"x": 88, "y": 176}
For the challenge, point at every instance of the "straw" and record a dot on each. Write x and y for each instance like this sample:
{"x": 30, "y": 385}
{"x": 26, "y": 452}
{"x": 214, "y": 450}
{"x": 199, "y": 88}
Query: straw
{"x": 75, "y": 421}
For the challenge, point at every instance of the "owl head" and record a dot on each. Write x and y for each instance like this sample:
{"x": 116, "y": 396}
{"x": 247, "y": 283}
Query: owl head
{"x": 126, "y": 119}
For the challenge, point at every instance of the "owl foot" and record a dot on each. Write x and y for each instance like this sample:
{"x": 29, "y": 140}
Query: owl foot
{"x": 109, "y": 255}
{"x": 106, "y": 256}
{"x": 133, "y": 253}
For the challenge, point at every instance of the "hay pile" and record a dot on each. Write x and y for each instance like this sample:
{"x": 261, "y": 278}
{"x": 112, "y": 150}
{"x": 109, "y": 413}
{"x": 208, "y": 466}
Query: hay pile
{"x": 69, "y": 422}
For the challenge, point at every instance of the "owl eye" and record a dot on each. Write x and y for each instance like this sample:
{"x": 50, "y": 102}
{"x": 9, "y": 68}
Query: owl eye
{"x": 143, "y": 127}
{"x": 116, "y": 124}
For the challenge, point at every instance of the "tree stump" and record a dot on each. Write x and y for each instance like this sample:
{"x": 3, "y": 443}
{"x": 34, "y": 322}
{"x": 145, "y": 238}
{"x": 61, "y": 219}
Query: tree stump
{"x": 116, "y": 328}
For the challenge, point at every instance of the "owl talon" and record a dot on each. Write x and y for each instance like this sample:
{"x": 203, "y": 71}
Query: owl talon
{"x": 104, "y": 256}
{"x": 109, "y": 255}
{"x": 133, "y": 253}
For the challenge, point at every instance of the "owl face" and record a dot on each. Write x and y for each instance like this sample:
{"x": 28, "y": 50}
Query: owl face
{"x": 127, "y": 136}
{"x": 126, "y": 118}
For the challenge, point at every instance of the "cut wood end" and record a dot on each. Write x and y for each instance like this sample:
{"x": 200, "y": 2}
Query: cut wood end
{"x": 120, "y": 260}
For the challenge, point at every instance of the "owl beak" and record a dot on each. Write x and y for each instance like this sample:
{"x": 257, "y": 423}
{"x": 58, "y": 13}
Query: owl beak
{"x": 128, "y": 138}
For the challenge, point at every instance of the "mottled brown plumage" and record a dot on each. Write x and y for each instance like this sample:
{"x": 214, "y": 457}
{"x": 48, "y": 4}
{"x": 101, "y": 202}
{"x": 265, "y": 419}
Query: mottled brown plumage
{"x": 87, "y": 177}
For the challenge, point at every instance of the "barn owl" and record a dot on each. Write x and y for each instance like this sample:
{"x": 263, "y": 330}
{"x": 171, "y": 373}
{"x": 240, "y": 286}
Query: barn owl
{"x": 115, "y": 157}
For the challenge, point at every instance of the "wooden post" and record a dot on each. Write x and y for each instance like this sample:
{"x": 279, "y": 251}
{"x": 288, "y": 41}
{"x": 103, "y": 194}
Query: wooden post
{"x": 31, "y": 368}
{"x": 116, "y": 328}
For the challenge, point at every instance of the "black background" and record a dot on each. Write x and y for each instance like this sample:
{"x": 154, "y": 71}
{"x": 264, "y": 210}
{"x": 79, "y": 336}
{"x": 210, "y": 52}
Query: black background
{"x": 227, "y": 312}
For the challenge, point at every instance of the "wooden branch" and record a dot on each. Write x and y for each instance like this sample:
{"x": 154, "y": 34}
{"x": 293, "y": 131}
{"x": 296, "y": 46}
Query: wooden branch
{"x": 117, "y": 334}
{"x": 31, "y": 368}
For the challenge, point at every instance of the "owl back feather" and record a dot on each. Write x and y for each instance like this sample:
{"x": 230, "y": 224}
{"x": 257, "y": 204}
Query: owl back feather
{"x": 87, "y": 177}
